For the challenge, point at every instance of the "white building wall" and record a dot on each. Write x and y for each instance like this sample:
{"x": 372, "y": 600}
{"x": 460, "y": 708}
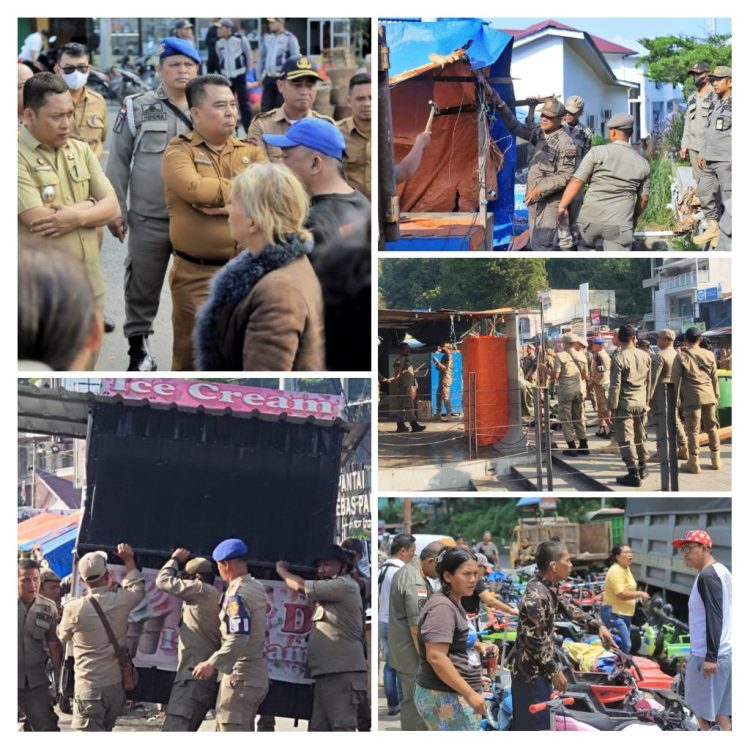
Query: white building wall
{"x": 538, "y": 68}
{"x": 580, "y": 80}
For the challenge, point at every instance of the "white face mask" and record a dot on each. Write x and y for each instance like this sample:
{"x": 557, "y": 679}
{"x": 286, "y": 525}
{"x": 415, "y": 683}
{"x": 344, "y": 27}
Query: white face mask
{"x": 76, "y": 80}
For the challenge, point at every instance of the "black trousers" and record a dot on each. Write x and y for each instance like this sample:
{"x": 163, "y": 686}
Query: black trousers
{"x": 271, "y": 97}
{"x": 239, "y": 86}
{"x": 525, "y": 694}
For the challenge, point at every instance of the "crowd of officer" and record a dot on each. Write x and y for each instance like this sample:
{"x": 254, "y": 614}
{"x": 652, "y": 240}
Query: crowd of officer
{"x": 616, "y": 176}
{"x": 221, "y": 665}
{"x": 66, "y": 197}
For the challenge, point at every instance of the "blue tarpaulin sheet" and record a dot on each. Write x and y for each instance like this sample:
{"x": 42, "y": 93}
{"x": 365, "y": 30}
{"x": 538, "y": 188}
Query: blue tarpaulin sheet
{"x": 411, "y": 45}
{"x": 58, "y": 552}
{"x": 527, "y": 501}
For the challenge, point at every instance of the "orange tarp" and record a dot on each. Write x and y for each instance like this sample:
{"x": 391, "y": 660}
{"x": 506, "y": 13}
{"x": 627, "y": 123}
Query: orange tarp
{"x": 44, "y": 523}
{"x": 487, "y": 357}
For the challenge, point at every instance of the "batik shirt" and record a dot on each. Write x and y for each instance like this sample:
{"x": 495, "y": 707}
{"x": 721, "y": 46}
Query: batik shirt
{"x": 534, "y": 650}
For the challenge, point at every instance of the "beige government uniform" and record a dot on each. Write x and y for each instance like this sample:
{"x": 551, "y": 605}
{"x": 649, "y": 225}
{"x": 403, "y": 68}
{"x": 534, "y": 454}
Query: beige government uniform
{"x": 194, "y": 173}
{"x": 241, "y": 658}
{"x": 74, "y": 173}
{"x": 90, "y": 121}
{"x": 599, "y": 378}
{"x": 336, "y": 654}
{"x": 697, "y": 386}
{"x": 629, "y": 390}
{"x": 662, "y": 366}
{"x": 404, "y": 381}
{"x": 36, "y": 628}
{"x": 358, "y": 156}
{"x": 617, "y": 175}
{"x": 98, "y": 694}
{"x": 200, "y": 636}
{"x": 568, "y": 370}
{"x": 274, "y": 122}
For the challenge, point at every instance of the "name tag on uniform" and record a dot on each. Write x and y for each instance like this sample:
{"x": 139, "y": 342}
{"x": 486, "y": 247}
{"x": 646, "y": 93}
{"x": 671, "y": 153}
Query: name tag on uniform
{"x": 43, "y": 168}
{"x": 203, "y": 161}
{"x": 153, "y": 112}
{"x": 720, "y": 123}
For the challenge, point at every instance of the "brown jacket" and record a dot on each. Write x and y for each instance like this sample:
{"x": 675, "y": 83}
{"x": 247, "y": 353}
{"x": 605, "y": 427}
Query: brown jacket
{"x": 278, "y": 325}
{"x": 695, "y": 378}
{"x": 193, "y": 173}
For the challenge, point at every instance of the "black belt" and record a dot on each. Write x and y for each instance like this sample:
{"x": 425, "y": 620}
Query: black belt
{"x": 199, "y": 261}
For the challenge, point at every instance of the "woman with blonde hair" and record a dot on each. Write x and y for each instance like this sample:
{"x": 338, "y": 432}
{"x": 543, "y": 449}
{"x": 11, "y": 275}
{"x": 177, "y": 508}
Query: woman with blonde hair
{"x": 265, "y": 308}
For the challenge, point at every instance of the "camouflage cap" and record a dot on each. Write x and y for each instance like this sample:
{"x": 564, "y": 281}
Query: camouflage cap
{"x": 667, "y": 333}
{"x": 622, "y": 121}
{"x": 699, "y": 67}
{"x": 553, "y": 108}
{"x": 721, "y": 71}
{"x": 574, "y": 105}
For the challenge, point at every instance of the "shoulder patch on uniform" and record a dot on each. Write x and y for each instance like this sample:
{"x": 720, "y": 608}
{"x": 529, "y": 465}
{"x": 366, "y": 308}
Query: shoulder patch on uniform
{"x": 153, "y": 111}
{"x": 237, "y": 616}
{"x": 120, "y": 121}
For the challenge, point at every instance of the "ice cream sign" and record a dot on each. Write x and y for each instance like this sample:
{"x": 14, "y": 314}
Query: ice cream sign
{"x": 222, "y": 396}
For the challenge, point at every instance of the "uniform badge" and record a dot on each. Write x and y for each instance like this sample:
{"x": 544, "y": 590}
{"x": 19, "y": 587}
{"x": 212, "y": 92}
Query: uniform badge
{"x": 303, "y": 62}
{"x": 40, "y": 161}
{"x": 120, "y": 121}
{"x": 48, "y": 194}
{"x": 245, "y": 160}
{"x": 237, "y": 617}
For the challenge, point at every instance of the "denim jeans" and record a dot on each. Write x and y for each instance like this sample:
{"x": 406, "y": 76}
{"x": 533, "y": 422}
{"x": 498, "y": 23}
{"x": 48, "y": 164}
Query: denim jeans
{"x": 618, "y": 625}
{"x": 391, "y": 681}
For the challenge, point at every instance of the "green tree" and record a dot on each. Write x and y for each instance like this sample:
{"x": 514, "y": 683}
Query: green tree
{"x": 408, "y": 283}
{"x": 670, "y": 57}
{"x": 624, "y": 275}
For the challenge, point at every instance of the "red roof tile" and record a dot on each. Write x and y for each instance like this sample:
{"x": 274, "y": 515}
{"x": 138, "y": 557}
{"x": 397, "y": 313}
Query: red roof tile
{"x": 602, "y": 45}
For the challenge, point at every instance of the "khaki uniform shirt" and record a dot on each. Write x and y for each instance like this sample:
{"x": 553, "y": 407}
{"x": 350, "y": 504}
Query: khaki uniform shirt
{"x": 661, "y": 367}
{"x": 629, "y": 380}
{"x": 97, "y": 666}
{"x": 90, "y": 120}
{"x": 194, "y": 173}
{"x": 404, "y": 374}
{"x": 36, "y": 627}
{"x": 617, "y": 175}
{"x": 695, "y": 378}
{"x": 243, "y": 632}
{"x": 144, "y": 127}
{"x": 409, "y": 592}
{"x": 358, "y": 156}
{"x": 717, "y": 137}
{"x": 336, "y": 641}
{"x": 445, "y": 371}
{"x": 74, "y": 173}
{"x": 274, "y": 122}
{"x": 598, "y": 376}
{"x": 570, "y": 365}
{"x": 199, "y": 627}
{"x": 697, "y": 111}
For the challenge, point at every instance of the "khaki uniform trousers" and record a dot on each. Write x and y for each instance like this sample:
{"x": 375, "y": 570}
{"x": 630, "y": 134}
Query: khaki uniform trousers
{"x": 600, "y": 399}
{"x": 655, "y": 414}
{"x": 336, "y": 701}
{"x": 403, "y": 407}
{"x": 189, "y": 702}
{"x": 630, "y": 433}
{"x": 613, "y": 238}
{"x": 694, "y": 416}
{"x": 570, "y": 414}
{"x": 237, "y": 704}
{"x": 97, "y": 714}
{"x": 716, "y": 177}
{"x": 36, "y": 706}
{"x": 146, "y": 264}
{"x": 189, "y": 284}
{"x": 409, "y": 717}
{"x": 543, "y": 224}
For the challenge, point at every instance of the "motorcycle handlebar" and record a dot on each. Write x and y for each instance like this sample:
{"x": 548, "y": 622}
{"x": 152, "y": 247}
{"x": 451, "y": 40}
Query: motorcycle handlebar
{"x": 535, "y": 708}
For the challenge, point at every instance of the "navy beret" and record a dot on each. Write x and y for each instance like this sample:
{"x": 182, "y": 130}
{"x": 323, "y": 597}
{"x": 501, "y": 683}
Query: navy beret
{"x": 229, "y": 549}
{"x": 171, "y": 46}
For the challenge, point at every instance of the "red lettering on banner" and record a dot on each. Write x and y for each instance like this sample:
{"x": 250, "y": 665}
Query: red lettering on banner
{"x": 297, "y": 619}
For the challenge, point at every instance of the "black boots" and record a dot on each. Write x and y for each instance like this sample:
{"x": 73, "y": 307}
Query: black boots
{"x": 583, "y": 448}
{"x": 416, "y": 427}
{"x": 140, "y": 355}
{"x": 642, "y": 470}
{"x": 631, "y": 479}
{"x": 572, "y": 451}
{"x": 601, "y": 433}
{"x": 401, "y": 427}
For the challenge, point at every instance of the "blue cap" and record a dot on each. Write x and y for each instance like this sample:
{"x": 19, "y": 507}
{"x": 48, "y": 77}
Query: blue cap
{"x": 316, "y": 134}
{"x": 598, "y": 340}
{"x": 171, "y": 45}
{"x": 229, "y": 549}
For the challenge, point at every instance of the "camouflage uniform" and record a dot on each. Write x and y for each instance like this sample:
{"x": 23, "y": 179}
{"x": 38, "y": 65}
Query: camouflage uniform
{"x": 533, "y": 658}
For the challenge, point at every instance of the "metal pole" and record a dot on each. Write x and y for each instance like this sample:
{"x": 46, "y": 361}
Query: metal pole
{"x": 476, "y": 423}
{"x": 538, "y": 439}
{"x": 672, "y": 435}
{"x": 661, "y": 435}
{"x": 467, "y": 411}
{"x": 548, "y": 439}
{"x": 407, "y": 515}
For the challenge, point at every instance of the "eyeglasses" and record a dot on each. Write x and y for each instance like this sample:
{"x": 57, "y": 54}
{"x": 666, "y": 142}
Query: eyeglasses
{"x": 687, "y": 548}
{"x": 82, "y": 68}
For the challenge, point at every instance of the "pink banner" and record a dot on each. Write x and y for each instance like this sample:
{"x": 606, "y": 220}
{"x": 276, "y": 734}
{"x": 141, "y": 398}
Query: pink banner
{"x": 154, "y": 627}
{"x": 240, "y": 398}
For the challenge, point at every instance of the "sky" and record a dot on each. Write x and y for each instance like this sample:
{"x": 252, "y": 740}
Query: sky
{"x": 625, "y": 31}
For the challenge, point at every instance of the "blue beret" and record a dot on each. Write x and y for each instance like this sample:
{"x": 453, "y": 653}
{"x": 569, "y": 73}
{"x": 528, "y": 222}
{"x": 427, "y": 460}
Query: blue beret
{"x": 174, "y": 46}
{"x": 229, "y": 549}
{"x": 598, "y": 340}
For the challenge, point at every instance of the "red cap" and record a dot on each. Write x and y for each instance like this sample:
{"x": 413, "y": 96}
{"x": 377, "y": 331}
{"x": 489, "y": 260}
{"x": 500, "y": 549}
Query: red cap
{"x": 696, "y": 535}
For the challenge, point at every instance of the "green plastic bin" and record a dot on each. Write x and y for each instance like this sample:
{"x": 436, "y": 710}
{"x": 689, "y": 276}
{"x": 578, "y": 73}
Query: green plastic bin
{"x": 725, "y": 398}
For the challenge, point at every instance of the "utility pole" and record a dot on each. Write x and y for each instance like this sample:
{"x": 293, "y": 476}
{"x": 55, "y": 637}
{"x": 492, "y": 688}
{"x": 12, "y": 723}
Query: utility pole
{"x": 407, "y": 515}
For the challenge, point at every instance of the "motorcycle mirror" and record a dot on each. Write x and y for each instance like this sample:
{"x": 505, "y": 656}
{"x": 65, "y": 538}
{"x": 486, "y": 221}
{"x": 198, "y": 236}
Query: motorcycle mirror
{"x": 52, "y": 39}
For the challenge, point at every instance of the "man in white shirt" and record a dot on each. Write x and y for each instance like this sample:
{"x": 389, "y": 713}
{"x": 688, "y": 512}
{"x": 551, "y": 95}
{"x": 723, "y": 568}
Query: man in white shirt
{"x": 33, "y": 45}
{"x": 403, "y": 548}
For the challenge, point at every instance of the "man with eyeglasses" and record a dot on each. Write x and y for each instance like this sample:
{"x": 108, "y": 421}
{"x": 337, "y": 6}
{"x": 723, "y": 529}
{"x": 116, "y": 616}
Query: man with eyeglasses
{"x": 708, "y": 674}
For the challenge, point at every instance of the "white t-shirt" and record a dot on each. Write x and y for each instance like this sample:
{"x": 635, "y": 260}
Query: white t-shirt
{"x": 391, "y": 566}
{"x": 32, "y": 44}
{"x": 710, "y": 613}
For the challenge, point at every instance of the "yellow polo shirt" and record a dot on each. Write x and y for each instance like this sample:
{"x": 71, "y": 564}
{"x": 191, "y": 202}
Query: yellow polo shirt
{"x": 619, "y": 579}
